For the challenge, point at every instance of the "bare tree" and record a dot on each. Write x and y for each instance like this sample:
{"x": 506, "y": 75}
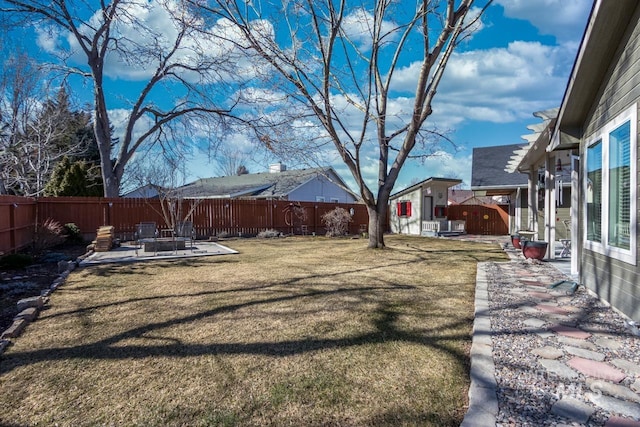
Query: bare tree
{"x": 231, "y": 162}
{"x": 343, "y": 61}
{"x": 174, "y": 70}
{"x": 28, "y": 137}
{"x": 166, "y": 178}
{"x": 36, "y": 132}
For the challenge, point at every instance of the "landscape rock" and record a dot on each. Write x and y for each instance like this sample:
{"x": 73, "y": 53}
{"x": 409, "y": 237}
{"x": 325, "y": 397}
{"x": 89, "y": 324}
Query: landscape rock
{"x": 37, "y": 302}
{"x": 15, "y": 329}
{"x": 28, "y": 314}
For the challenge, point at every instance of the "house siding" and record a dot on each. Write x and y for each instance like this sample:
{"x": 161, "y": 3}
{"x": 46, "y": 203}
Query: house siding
{"x": 562, "y": 212}
{"x": 321, "y": 187}
{"x": 614, "y": 281}
{"x": 407, "y": 225}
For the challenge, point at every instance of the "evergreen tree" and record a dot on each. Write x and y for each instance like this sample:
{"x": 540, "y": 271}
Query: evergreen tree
{"x": 57, "y": 138}
{"x": 75, "y": 178}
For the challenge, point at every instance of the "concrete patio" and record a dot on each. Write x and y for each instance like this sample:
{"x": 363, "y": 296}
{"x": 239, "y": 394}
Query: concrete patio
{"x": 128, "y": 252}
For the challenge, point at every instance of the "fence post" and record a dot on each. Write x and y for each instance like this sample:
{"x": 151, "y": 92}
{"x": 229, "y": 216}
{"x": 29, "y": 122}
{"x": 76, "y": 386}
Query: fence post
{"x": 12, "y": 227}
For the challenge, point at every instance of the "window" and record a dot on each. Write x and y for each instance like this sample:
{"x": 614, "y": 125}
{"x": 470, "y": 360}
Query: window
{"x": 319, "y": 198}
{"x": 335, "y": 200}
{"x": 610, "y": 188}
{"x": 404, "y": 208}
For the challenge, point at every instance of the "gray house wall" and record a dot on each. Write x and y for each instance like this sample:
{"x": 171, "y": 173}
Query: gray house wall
{"x": 614, "y": 281}
{"x": 562, "y": 213}
{"x": 322, "y": 187}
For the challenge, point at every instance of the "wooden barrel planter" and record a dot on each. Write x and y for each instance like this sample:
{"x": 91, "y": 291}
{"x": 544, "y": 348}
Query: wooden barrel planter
{"x": 534, "y": 249}
{"x": 515, "y": 241}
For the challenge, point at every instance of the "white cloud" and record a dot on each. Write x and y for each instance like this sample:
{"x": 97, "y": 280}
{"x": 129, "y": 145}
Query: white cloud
{"x": 499, "y": 84}
{"x": 146, "y": 33}
{"x": 564, "y": 19}
{"x": 46, "y": 39}
{"x": 119, "y": 118}
{"x": 359, "y": 27}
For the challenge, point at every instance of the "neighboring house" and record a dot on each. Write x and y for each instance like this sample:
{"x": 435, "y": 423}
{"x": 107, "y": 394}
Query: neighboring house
{"x": 421, "y": 208}
{"x": 489, "y": 179}
{"x": 599, "y": 118}
{"x": 148, "y": 191}
{"x": 457, "y": 196}
{"x": 304, "y": 185}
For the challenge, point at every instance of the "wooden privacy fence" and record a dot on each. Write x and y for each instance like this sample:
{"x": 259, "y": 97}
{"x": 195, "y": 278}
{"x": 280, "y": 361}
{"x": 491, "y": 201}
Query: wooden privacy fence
{"x": 17, "y": 222}
{"x": 210, "y": 217}
{"x": 481, "y": 219}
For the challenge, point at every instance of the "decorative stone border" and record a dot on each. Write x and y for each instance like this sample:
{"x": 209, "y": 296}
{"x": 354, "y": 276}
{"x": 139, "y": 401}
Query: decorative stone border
{"x": 29, "y": 308}
{"x": 483, "y": 398}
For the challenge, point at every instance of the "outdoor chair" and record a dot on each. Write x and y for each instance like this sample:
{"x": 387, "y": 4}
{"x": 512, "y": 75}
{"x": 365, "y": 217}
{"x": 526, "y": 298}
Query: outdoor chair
{"x": 566, "y": 243}
{"x": 146, "y": 231}
{"x": 184, "y": 230}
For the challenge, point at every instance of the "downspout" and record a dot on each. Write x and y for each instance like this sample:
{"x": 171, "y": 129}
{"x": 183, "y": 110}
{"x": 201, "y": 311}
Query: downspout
{"x": 576, "y": 197}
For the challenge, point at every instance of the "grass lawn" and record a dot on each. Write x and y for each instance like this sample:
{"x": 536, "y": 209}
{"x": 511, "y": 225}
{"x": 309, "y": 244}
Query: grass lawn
{"x": 296, "y": 331}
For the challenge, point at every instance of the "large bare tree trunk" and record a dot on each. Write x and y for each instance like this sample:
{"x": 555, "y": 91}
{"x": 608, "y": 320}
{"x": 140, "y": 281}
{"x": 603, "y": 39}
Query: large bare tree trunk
{"x": 377, "y": 225}
{"x": 314, "y": 73}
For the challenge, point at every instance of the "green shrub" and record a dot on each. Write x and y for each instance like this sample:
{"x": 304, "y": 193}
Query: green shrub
{"x": 72, "y": 231}
{"x": 15, "y": 261}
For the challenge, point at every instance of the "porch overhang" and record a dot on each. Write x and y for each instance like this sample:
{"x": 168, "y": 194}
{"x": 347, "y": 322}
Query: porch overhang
{"x": 534, "y": 152}
{"x": 591, "y": 65}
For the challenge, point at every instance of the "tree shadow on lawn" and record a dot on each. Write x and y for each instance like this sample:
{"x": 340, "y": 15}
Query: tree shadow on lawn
{"x": 186, "y": 263}
{"x": 144, "y": 267}
{"x": 384, "y": 331}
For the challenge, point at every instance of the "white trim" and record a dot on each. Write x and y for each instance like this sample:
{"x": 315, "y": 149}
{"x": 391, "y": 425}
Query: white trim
{"x": 602, "y": 135}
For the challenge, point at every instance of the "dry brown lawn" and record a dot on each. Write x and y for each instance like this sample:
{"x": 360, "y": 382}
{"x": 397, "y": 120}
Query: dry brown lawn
{"x": 295, "y": 331}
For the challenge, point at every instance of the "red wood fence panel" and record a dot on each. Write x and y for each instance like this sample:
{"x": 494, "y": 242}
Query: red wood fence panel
{"x": 481, "y": 219}
{"x": 17, "y": 219}
{"x": 211, "y": 217}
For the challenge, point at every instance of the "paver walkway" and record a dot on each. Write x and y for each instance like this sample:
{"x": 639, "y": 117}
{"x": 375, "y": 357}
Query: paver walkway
{"x": 546, "y": 356}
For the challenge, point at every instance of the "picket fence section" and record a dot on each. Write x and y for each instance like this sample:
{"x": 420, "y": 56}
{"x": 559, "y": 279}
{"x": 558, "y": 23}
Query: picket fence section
{"x": 20, "y": 216}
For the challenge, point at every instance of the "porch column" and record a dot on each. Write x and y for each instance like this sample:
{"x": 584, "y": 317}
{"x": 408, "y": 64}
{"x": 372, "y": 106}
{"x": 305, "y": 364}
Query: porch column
{"x": 518, "y": 211}
{"x": 532, "y": 211}
{"x": 550, "y": 205}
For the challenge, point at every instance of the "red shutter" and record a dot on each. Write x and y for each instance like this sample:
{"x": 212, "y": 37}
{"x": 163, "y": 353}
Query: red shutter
{"x": 408, "y": 213}
{"x": 399, "y": 208}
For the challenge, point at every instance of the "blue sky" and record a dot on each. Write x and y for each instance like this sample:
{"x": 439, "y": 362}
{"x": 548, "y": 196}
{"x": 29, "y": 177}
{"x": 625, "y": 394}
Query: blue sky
{"x": 516, "y": 64}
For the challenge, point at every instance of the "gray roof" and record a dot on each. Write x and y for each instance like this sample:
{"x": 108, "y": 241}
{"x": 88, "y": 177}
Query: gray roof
{"x": 256, "y": 185}
{"x": 487, "y": 168}
{"x": 449, "y": 181}
{"x": 607, "y": 27}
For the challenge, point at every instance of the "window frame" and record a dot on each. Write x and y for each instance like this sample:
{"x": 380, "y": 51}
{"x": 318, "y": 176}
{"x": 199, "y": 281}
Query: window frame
{"x": 404, "y": 206}
{"x": 602, "y": 136}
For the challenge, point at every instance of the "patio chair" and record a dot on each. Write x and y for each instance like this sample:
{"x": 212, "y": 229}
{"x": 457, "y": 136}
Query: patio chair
{"x": 185, "y": 230}
{"x": 145, "y": 232}
{"x": 566, "y": 243}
